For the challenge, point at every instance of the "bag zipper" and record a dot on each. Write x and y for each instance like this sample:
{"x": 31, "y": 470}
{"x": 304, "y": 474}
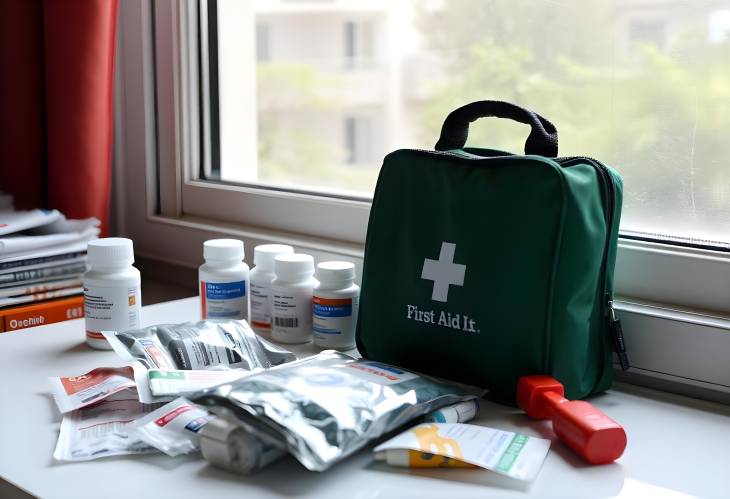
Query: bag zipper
{"x": 614, "y": 325}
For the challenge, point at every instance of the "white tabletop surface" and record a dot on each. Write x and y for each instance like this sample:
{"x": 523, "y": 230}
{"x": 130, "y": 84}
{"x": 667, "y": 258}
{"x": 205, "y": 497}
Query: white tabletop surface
{"x": 677, "y": 446}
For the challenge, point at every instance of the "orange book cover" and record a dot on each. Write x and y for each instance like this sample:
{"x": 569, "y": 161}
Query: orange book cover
{"x": 42, "y": 313}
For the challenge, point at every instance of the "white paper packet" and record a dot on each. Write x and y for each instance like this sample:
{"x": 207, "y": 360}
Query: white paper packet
{"x": 179, "y": 382}
{"x": 142, "y": 381}
{"x": 173, "y": 428}
{"x": 517, "y": 456}
{"x": 102, "y": 430}
{"x": 75, "y": 392}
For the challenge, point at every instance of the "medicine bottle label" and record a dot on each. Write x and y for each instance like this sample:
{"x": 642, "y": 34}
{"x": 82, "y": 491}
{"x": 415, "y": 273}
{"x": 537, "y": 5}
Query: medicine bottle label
{"x": 261, "y": 305}
{"x": 108, "y": 308}
{"x": 223, "y": 300}
{"x": 334, "y": 322}
{"x": 292, "y": 313}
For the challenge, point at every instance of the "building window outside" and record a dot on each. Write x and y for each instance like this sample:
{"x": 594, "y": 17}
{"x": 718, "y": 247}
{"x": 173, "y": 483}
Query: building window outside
{"x": 263, "y": 48}
{"x": 358, "y": 140}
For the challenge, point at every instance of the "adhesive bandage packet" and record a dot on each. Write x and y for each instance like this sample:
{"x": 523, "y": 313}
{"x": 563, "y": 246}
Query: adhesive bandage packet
{"x": 452, "y": 444}
{"x": 102, "y": 430}
{"x": 326, "y": 407}
{"x": 173, "y": 428}
{"x": 198, "y": 345}
{"x": 75, "y": 392}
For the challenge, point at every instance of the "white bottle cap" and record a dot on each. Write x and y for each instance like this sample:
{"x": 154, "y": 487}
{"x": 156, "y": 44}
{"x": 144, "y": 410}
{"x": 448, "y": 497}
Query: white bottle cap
{"x": 223, "y": 250}
{"x": 264, "y": 254}
{"x": 293, "y": 266}
{"x": 110, "y": 252}
{"x": 336, "y": 271}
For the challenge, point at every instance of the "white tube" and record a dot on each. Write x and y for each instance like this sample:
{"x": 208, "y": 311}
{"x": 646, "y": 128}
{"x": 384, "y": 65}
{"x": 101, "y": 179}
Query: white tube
{"x": 457, "y": 413}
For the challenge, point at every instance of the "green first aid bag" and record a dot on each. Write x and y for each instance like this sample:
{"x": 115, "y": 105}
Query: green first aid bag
{"x": 483, "y": 266}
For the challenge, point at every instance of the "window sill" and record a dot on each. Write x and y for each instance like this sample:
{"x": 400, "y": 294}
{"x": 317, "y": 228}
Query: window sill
{"x": 682, "y": 350}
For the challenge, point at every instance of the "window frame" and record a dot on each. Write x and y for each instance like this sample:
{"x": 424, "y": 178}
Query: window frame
{"x": 169, "y": 212}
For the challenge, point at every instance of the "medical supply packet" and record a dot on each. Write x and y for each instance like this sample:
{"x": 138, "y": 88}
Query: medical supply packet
{"x": 225, "y": 443}
{"x": 102, "y": 430}
{"x": 173, "y": 428}
{"x": 326, "y": 407}
{"x": 75, "y": 392}
{"x": 198, "y": 345}
{"x": 165, "y": 383}
{"x": 517, "y": 456}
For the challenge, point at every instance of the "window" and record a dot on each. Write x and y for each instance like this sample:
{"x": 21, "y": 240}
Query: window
{"x": 246, "y": 119}
{"x": 647, "y": 32}
{"x": 647, "y": 93}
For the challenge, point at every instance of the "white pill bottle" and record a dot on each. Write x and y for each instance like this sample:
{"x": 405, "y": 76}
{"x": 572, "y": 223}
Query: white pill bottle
{"x": 112, "y": 290}
{"x": 335, "y": 303}
{"x": 223, "y": 281}
{"x": 262, "y": 274}
{"x": 292, "y": 290}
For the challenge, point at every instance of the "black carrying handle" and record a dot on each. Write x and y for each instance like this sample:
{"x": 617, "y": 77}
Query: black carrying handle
{"x": 543, "y": 139}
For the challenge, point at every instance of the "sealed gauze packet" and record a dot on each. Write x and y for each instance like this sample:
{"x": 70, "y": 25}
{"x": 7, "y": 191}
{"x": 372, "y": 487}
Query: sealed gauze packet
{"x": 198, "y": 345}
{"x": 326, "y": 407}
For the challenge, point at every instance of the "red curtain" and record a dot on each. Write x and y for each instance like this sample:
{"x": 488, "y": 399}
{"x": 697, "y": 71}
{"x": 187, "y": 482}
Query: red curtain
{"x": 56, "y": 104}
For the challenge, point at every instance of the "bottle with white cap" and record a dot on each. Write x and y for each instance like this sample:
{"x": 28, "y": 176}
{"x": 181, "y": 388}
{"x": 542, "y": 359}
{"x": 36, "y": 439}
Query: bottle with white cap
{"x": 112, "y": 290}
{"x": 223, "y": 280}
{"x": 261, "y": 276}
{"x": 292, "y": 298}
{"x": 335, "y": 302}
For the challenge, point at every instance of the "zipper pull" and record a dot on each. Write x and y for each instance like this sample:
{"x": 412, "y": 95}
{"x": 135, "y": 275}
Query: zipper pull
{"x": 617, "y": 335}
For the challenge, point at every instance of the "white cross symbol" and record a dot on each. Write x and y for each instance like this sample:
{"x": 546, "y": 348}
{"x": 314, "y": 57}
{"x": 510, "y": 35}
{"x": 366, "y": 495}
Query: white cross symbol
{"x": 443, "y": 272}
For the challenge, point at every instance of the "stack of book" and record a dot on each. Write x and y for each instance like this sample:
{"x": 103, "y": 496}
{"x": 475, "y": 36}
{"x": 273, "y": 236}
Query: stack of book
{"x": 42, "y": 260}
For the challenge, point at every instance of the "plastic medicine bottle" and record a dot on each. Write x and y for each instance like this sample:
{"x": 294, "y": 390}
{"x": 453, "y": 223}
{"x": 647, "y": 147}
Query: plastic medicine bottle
{"x": 335, "y": 301}
{"x": 223, "y": 280}
{"x": 292, "y": 298}
{"x": 261, "y": 276}
{"x": 112, "y": 290}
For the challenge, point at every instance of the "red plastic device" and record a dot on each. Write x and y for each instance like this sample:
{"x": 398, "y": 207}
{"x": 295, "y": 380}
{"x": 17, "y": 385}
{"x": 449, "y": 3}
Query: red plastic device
{"x": 589, "y": 432}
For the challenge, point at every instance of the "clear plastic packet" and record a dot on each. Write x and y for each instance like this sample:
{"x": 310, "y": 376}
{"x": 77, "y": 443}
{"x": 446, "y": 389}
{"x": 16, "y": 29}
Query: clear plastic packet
{"x": 102, "y": 430}
{"x": 75, "y": 392}
{"x": 173, "y": 428}
{"x": 198, "y": 345}
{"x": 326, "y": 407}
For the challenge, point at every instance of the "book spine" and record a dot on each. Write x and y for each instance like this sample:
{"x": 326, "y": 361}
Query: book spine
{"x": 36, "y": 297}
{"x": 43, "y": 273}
{"x": 42, "y": 287}
{"x": 38, "y": 260}
{"x": 42, "y": 313}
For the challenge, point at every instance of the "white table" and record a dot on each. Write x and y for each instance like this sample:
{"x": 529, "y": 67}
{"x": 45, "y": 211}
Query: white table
{"x": 677, "y": 445}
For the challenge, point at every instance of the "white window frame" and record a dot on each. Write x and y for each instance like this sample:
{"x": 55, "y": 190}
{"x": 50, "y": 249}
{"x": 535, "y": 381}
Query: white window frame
{"x": 674, "y": 301}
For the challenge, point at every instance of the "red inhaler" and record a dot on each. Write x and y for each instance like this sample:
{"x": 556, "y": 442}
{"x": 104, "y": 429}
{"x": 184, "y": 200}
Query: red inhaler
{"x": 582, "y": 427}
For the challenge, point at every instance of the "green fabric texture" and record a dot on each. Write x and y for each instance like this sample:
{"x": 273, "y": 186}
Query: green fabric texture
{"x": 522, "y": 246}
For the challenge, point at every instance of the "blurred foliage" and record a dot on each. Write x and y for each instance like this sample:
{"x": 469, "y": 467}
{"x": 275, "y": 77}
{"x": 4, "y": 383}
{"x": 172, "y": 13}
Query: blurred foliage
{"x": 658, "y": 114}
